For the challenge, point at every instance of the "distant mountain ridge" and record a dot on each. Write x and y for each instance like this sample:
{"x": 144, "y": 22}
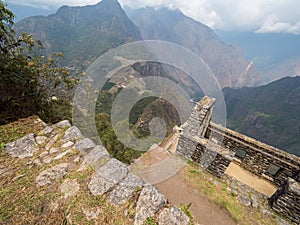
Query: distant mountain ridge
{"x": 82, "y": 33}
{"x": 269, "y": 113}
{"x": 276, "y": 55}
{"x": 226, "y": 61}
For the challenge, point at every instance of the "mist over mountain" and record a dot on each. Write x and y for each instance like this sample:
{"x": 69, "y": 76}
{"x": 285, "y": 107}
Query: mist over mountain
{"x": 82, "y": 33}
{"x": 269, "y": 113}
{"x": 22, "y": 11}
{"x": 276, "y": 55}
{"x": 226, "y": 61}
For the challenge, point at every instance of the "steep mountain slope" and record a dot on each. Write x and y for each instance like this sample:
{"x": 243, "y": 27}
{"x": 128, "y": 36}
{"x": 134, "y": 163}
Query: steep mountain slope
{"x": 268, "y": 113}
{"x": 276, "y": 55}
{"x": 226, "y": 61}
{"x": 82, "y": 33}
{"x": 289, "y": 67}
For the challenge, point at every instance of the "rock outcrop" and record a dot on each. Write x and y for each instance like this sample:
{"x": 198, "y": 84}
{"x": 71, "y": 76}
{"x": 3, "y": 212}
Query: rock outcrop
{"x": 60, "y": 150}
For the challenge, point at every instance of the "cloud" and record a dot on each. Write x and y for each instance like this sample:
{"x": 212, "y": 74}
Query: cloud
{"x": 242, "y": 15}
{"x": 280, "y": 27}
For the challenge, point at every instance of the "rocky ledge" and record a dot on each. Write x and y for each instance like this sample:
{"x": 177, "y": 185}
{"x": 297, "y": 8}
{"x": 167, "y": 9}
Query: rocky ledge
{"x": 61, "y": 149}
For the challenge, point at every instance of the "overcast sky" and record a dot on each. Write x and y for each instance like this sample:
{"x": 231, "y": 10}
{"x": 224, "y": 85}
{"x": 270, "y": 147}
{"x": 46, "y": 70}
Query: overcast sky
{"x": 240, "y": 15}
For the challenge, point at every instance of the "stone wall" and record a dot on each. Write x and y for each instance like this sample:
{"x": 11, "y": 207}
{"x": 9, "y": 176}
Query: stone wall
{"x": 186, "y": 146}
{"x": 263, "y": 160}
{"x": 198, "y": 122}
{"x": 286, "y": 201}
{"x": 61, "y": 149}
{"x": 214, "y": 147}
{"x": 211, "y": 157}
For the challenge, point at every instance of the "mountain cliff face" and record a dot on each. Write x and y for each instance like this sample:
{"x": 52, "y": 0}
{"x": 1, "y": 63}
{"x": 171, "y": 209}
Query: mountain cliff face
{"x": 82, "y": 33}
{"x": 226, "y": 61}
{"x": 289, "y": 67}
{"x": 276, "y": 55}
{"x": 268, "y": 113}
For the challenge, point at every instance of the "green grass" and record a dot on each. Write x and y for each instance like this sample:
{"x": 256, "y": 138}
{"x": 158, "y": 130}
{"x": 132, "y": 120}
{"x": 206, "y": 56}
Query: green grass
{"x": 13, "y": 131}
{"x": 226, "y": 200}
{"x": 21, "y": 202}
{"x": 150, "y": 221}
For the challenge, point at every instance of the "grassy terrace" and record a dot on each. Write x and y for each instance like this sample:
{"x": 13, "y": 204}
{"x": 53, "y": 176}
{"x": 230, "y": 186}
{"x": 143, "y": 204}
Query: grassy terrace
{"x": 24, "y": 203}
{"x": 204, "y": 182}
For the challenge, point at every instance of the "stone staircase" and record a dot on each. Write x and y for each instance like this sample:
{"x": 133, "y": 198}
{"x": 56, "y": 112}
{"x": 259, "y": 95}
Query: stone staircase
{"x": 62, "y": 149}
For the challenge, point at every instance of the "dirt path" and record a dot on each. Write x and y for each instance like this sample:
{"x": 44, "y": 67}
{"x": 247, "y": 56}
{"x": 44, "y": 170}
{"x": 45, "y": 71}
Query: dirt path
{"x": 159, "y": 167}
{"x": 250, "y": 179}
{"x": 178, "y": 191}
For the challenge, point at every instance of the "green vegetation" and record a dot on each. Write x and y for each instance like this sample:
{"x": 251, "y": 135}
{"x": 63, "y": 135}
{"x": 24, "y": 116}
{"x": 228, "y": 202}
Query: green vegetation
{"x": 98, "y": 29}
{"x": 186, "y": 209}
{"x": 28, "y": 79}
{"x": 268, "y": 113}
{"x": 111, "y": 142}
{"x": 241, "y": 214}
{"x": 24, "y": 203}
{"x": 13, "y": 131}
{"x": 150, "y": 221}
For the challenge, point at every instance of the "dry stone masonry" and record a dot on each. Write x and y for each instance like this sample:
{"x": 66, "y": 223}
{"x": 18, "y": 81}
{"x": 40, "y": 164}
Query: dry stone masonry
{"x": 54, "y": 150}
{"x": 286, "y": 200}
{"x": 263, "y": 160}
{"x": 214, "y": 147}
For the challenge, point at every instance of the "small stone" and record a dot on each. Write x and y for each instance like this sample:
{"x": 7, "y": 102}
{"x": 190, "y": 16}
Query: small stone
{"x": 149, "y": 202}
{"x": 235, "y": 192}
{"x": 85, "y": 145}
{"x": 61, "y": 155}
{"x": 47, "y": 160}
{"x": 216, "y": 183}
{"x": 24, "y": 147}
{"x": 43, "y": 154}
{"x": 49, "y": 144}
{"x": 266, "y": 212}
{"x": 233, "y": 185}
{"x": 18, "y": 177}
{"x": 53, "y": 150}
{"x": 40, "y": 139}
{"x": 96, "y": 158}
{"x": 37, "y": 162}
{"x": 254, "y": 201}
{"x": 39, "y": 121}
{"x": 125, "y": 189}
{"x": 173, "y": 216}
{"x": 282, "y": 221}
{"x": 54, "y": 206}
{"x": 47, "y": 130}
{"x": 72, "y": 134}
{"x": 49, "y": 175}
{"x": 107, "y": 176}
{"x": 69, "y": 188}
{"x": 4, "y": 171}
{"x": 77, "y": 159}
{"x": 69, "y": 218}
{"x": 63, "y": 124}
{"x": 244, "y": 200}
{"x": 68, "y": 144}
{"x": 91, "y": 214}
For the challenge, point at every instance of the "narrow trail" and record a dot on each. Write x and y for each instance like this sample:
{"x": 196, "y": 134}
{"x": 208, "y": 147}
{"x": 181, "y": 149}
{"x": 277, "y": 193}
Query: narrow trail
{"x": 166, "y": 172}
{"x": 205, "y": 212}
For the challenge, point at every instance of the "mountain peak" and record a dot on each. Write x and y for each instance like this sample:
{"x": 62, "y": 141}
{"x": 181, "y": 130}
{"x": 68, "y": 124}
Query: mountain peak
{"x": 82, "y": 33}
{"x": 114, "y": 3}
